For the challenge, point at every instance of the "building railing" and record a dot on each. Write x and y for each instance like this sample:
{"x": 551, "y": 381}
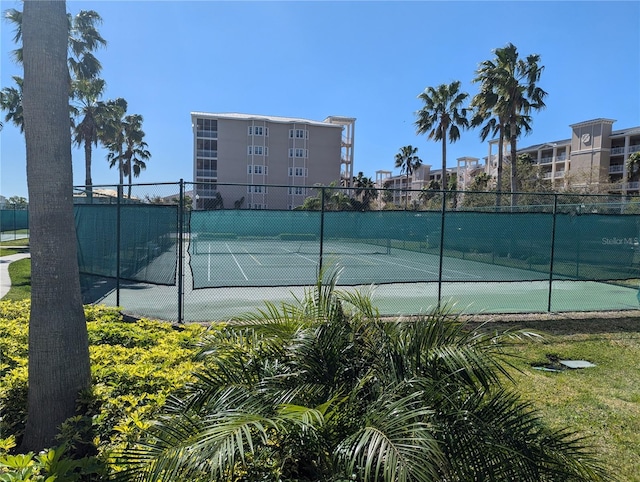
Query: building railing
{"x": 626, "y": 186}
{"x": 206, "y": 153}
{"x": 616, "y": 168}
{"x": 621, "y": 150}
{"x": 207, "y": 134}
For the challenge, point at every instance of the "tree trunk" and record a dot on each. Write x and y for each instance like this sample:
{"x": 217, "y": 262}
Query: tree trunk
{"x": 444, "y": 171}
{"x": 444, "y": 166}
{"x": 500, "y": 162}
{"x": 58, "y": 343}
{"x": 514, "y": 166}
{"x": 87, "y": 170}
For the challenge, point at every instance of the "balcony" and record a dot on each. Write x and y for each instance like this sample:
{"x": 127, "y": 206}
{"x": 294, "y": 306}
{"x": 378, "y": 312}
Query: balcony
{"x": 550, "y": 160}
{"x": 206, "y": 173}
{"x": 626, "y": 186}
{"x": 620, "y": 150}
{"x": 616, "y": 168}
{"x": 206, "y": 153}
{"x": 207, "y": 134}
{"x": 559, "y": 174}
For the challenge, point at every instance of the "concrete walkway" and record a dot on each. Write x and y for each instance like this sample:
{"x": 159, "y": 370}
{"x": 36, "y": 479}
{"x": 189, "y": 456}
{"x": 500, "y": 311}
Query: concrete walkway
{"x": 5, "y": 280}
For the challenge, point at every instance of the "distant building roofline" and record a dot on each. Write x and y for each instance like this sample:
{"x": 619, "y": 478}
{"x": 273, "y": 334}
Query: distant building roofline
{"x": 269, "y": 118}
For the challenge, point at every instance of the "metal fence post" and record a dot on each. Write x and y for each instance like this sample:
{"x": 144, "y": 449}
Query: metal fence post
{"x": 442, "y": 216}
{"x": 180, "y": 252}
{"x": 553, "y": 245}
{"x": 118, "y": 213}
{"x": 322, "y": 190}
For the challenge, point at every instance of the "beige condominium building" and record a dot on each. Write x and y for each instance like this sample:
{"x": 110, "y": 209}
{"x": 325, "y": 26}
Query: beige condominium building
{"x": 593, "y": 159}
{"x": 260, "y": 152}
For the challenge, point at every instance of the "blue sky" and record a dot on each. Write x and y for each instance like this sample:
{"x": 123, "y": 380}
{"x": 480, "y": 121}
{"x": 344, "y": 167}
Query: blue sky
{"x": 367, "y": 60}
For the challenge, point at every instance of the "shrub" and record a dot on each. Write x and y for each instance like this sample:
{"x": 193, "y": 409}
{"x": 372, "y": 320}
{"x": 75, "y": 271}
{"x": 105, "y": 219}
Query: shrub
{"x": 135, "y": 367}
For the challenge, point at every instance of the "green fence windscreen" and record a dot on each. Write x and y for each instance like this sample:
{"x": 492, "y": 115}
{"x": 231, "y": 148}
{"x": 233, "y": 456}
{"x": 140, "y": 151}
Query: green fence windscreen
{"x": 285, "y": 248}
{"x": 14, "y": 219}
{"x": 148, "y": 241}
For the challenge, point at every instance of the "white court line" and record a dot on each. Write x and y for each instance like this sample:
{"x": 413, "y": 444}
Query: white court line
{"x": 252, "y": 256}
{"x": 427, "y": 271}
{"x": 237, "y": 264}
{"x": 298, "y": 254}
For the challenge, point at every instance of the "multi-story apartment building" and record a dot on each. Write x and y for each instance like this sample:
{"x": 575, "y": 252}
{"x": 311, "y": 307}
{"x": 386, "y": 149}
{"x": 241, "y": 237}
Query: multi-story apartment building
{"x": 404, "y": 189}
{"x": 260, "y": 152}
{"x": 594, "y": 158}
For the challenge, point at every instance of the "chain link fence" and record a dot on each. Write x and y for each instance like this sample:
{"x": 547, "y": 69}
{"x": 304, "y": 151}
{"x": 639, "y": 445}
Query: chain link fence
{"x": 14, "y": 223}
{"x": 203, "y": 252}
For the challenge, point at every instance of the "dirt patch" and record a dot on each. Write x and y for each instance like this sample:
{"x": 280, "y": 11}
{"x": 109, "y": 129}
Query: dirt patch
{"x": 562, "y": 323}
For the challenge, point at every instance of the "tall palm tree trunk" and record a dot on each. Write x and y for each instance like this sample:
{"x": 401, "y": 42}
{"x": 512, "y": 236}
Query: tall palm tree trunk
{"x": 58, "y": 343}
{"x": 514, "y": 167}
{"x": 87, "y": 170}
{"x": 500, "y": 166}
{"x": 444, "y": 165}
{"x": 406, "y": 192}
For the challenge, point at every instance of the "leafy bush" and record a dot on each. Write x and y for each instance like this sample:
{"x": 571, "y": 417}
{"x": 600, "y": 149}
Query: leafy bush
{"x": 51, "y": 465}
{"x": 323, "y": 389}
{"x": 135, "y": 367}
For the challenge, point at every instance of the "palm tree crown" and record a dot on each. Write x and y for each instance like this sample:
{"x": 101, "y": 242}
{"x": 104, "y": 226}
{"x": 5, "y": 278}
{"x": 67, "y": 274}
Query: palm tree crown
{"x": 442, "y": 117}
{"x": 91, "y": 110}
{"x": 84, "y": 39}
{"x": 508, "y": 95}
{"x": 408, "y": 162}
{"x": 125, "y": 140}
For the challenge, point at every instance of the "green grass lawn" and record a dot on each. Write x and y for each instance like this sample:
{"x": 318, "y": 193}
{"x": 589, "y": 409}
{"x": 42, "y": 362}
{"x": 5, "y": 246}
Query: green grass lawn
{"x": 20, "y": 273}
{"x": 24, "y": 242}
{"x": 602, "y": 403}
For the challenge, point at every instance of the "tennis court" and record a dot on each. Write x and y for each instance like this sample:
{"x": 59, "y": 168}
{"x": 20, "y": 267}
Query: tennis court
{"x": 392, "y": 299}
{"x": 564, "y": 253}
{"x": 295, "y": 263}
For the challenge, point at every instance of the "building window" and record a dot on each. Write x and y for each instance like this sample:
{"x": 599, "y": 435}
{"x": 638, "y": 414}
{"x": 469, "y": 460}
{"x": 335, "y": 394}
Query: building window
{"x": 257, "y": 189}
{"x": 256, "y": 169}
{"x": 207, "y": 128}
{"x": 298, "y": 134}
{"x": 299, "y": 191}
{"x": 206, "y": 168}
{"x": 206, "y": 148}
{"x": 298, "y": 172}
{"x": 258, "y": 131}
{"x": 302, "y": 153}
{"x": 258, "y": 150}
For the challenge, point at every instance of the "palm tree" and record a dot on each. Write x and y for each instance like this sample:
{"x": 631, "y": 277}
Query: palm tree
{"x": 83, "y": 37}
{"x": 509, "y": 91}
{"x": 58, "y": 343}
{"x": 442, "y": 117}
{"x": 364, "y": 189}
{"x": 83, "y": 40}
{"x": 92, "y": 111}
{"x": 633, "y": 162}
{"x": 112, "y": 134}
{"x": 11, "y": 103}
{"x": 135, "y": 148}
{"x": 324, "y": 389}
{"x": 408, "y": 163}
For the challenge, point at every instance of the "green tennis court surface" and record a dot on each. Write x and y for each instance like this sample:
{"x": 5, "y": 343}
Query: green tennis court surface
{"x": 217, "y": 304}
{"x": 505, "y": 292}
